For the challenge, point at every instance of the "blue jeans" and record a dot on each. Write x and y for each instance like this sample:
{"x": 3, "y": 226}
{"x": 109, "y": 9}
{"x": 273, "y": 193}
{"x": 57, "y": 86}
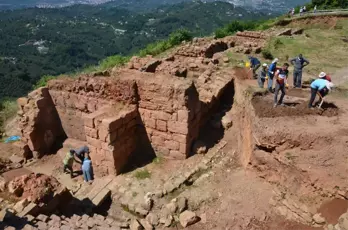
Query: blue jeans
{"x": 261, "y": 82}
{"x": 87, "y": 175}
{"x": 279, "y": 87}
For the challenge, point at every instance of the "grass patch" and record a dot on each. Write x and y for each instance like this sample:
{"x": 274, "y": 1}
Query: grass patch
{"x": 142, "y": 174}
{"x": 158, "y": 160}
{"x": 8, "y": 109}
{"x": 134, "y": 194}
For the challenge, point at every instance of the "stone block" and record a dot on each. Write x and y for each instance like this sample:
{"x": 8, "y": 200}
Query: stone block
{"x": 178, "y": 127}
{"x": 188, "y": 218}
{"x": 91, "y": 132}
{"x": 161, "y": 125}
{"x": 103, "y": 133}
{"x": 89, "y": 120}
{"x": 42, "y": 218}
{"x": 102, "y": 195}
{"x": 160, "y": 115}
{"x": 179, "y": 138}
{"x": 172, "y": 145}
{"x": 112, "y": 123}
{"x": 183, "y": 115}
{"x": 16, "y": 159}
{"x": 157, "y": 140}
{"x": 176, "y": 155}
{"x": 27, "y": 210}
{"x": 94, "y": 142}
{"x": 151, "y": 123}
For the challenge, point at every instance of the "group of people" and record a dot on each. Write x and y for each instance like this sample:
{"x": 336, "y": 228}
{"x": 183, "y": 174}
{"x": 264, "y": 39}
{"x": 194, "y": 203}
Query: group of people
{"x": 81, "y": 156}
{"x": 320, "y": 86}
{"x": 302, "y": 10}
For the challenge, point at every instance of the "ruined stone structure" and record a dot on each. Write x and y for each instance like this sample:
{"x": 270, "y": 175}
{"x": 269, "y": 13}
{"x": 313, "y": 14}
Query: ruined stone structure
{"x": 167, "y": 99}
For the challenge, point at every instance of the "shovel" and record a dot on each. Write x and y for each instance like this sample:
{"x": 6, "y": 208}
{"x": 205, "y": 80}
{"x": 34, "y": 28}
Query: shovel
{"x": 321, "y": 102}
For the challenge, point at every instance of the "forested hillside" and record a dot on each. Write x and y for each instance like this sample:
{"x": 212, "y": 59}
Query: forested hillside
{"x": 36, "y": 42}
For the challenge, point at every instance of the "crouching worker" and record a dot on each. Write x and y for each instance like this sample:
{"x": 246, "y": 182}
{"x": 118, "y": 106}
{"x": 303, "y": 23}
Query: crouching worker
{"x": 68, "y": 162}
{"x": 254, "y": 65}
{"x": 81, "y": 152}
{"x": 87, "y": 169}
{"x": 321, "y": 87}
{"x": 263, "y": 75}
{"x": 281, "y": 77}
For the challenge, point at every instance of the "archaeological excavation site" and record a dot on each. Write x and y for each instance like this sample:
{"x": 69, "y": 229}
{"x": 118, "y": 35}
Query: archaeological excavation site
{"x": 185, "y": 140}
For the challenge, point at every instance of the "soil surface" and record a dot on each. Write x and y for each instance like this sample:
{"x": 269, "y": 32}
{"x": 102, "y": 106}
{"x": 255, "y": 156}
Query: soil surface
{"x": 264, "y": 108}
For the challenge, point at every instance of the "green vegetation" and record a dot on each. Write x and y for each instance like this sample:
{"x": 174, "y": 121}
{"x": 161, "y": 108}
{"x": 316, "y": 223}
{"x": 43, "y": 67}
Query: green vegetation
{"x": 327, "y": 4}
{"x": 40, "y": 42}
{"x": 142, "y": 174}
{"x": 43, "y": 81}
{"x": 158, "y": 160}
{"x": 266, "y": 54}
{"x": 235, "y": 26}
{"x": 8, "y": 108}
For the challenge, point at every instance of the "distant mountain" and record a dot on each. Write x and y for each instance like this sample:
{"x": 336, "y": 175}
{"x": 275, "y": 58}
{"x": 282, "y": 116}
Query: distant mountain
{"x": 35, "y": 42}
{"x": 143, "y": 5}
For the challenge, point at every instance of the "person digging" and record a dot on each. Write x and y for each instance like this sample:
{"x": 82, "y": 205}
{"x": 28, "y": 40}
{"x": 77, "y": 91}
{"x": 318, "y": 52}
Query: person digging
{"x": 254, "y": 65}
{"x": 281, "y": 77}
{"x": 320, "y": 87}
{"x": 299, "y": 63}
{"x": 324, "y": 76}
{"x": 87, "y": 169}
{"x": 262, "y": 75}
{"x": 81, "y": 152}
{"x": 68, "y": 162}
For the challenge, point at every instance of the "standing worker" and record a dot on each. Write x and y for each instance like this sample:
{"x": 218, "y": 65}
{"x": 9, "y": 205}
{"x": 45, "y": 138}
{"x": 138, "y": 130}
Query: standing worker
{"x": 281, "y": 82}
{"x": 87, "y": 169}
{"x": 68, "y": 162}
{"x": 254, "y": 65}
{"x": 271, "y": 71}
{"x": 321, "y": 86}
{"x": 262, "y": 75}
{"x": 299, "y": 63}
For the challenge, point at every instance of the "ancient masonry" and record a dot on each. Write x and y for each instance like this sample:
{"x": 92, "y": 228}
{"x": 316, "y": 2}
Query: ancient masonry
{"x": 161, "y": 101}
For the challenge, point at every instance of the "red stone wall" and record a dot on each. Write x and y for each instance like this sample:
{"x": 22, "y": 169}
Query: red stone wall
{"x": 39, "y": 122}
{"x": 111, "y": 135}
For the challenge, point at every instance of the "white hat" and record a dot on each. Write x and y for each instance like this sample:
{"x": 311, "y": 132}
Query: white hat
{"x": 329, "y": 85}
{"x": 275, "y": 60}
{"x": 322, "y": 75}
{"x": 264, "y": 65}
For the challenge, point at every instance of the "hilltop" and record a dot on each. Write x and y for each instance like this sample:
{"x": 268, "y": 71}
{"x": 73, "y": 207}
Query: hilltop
{"x": 37, "y": 42}
{"x": 186, "y": 139}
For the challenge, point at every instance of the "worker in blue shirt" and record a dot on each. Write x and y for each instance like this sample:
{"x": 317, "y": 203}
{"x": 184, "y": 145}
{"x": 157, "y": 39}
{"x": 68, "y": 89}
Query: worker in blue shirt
{"x": 254, "y": 65}
{"x": 322, "y": 86}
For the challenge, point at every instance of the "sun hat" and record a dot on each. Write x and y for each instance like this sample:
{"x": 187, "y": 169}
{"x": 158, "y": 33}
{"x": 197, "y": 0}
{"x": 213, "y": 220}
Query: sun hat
{"x": 264, "y": 65}
{"x": 275, "y": 60}
{"x": 322, "y": 75}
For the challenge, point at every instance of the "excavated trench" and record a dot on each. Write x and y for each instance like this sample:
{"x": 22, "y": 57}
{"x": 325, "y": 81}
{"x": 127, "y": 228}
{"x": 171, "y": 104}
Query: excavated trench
{"x": 293, "y": 158}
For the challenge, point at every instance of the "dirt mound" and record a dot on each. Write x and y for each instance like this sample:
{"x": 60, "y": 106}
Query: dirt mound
{"x": 264, "y": 108}
{"x": 242, "y": 73}
{"x": 37, "y": 188}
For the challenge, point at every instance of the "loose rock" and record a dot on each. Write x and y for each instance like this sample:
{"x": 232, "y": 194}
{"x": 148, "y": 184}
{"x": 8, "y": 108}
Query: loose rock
{"x": 188, "y": 218}
{"x": 318, "y": 219}
{"x": 135, "y": 225}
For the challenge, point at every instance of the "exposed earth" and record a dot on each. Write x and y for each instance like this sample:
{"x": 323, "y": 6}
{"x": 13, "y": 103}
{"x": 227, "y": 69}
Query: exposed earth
{"x": 251, "y": 166}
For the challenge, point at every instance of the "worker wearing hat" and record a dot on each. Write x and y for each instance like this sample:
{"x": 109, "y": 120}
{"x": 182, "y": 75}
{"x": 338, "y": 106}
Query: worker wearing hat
{"x": 321, "y": 86}
{"x": 262, "y": 75}
{"x": 323, "y": 75}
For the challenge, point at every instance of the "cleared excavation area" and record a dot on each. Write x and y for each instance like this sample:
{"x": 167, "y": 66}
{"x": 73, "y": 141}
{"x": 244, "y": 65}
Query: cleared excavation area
{"x": 184, "y": 141}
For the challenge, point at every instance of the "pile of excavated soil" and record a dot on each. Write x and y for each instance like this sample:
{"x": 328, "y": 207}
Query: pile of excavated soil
{"x": 264, "y": 108}
{"x": 38, "y": 188}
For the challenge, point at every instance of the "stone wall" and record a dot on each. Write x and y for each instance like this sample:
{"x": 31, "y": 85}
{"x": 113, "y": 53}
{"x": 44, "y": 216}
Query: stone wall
{"x": 39, "y": 122}
{"x": 111, "y": 135}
